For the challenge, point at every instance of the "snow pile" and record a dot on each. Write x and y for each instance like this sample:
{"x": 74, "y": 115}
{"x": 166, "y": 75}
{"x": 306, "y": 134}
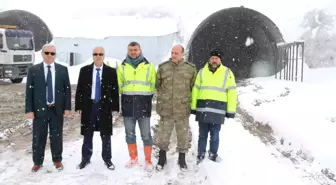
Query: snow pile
{"x": 302, "y": 115}
{"x": 2, "y": 136}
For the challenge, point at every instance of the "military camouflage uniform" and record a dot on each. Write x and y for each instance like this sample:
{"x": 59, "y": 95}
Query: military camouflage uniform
{"x": 174, "y": 82}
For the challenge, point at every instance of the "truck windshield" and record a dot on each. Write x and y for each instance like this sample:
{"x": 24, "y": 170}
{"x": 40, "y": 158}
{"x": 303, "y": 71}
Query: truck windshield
{"x": 19, "y": 40}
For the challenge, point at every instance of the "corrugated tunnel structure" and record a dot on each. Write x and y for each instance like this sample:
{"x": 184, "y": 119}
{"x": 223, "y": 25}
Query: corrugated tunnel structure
{"x": 247, "y": 38}
{"x": 28, "y": 21}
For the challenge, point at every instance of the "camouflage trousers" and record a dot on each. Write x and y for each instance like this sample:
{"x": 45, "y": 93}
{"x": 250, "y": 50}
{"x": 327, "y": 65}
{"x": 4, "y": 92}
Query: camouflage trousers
{"x": 166, "y": 126}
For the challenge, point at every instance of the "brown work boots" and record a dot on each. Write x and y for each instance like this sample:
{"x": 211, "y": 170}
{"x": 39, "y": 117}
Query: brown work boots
{"x": 36, "y": 168}
{"x": 58, "y": 166}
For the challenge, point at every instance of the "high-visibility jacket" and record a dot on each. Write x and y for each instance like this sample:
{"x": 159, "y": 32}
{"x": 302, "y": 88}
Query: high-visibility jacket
{"x": 214, "y": 95}
{"x": 136, "y": 86}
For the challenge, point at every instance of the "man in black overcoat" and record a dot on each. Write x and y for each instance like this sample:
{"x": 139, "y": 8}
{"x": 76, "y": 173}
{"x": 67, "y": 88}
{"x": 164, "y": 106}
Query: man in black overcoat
{"x": 96, "y": 97}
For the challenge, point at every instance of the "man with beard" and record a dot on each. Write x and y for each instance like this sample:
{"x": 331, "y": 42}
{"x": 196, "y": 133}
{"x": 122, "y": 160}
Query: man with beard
{"x": 136, "y": 78}
{"x": 214, "y": 98}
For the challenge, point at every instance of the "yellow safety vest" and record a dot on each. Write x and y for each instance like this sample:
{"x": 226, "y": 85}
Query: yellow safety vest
{"x": 136, "y": 81}
{"x": 214, "y": 94}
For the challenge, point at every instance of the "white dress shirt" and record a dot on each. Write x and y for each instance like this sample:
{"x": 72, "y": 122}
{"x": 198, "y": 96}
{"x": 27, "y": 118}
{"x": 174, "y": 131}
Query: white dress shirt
{"x": 93, "y": 88}
{"x": 52, "y": 69}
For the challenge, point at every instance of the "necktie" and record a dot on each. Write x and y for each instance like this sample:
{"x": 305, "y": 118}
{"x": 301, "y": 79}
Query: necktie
{"x": 49, "y": 86}
{"x": 97, "y": 92}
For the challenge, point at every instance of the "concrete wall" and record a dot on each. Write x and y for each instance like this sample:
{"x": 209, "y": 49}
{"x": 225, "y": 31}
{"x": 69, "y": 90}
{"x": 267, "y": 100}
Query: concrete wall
{"x": 154, "y": 48}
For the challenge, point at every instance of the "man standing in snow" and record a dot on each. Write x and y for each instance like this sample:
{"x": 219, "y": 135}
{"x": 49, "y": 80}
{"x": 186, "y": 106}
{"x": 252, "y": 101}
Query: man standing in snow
{"x": 48, "y": 100}
{"x": 174, "y": 81}
{"x": 214, "y": 98}
{"x": 136, "y": 78}
{"x": 96, "y": 97}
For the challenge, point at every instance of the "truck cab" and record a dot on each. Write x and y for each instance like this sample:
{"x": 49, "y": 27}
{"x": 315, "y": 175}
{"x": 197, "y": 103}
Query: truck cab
{"x": 17, "y": 53}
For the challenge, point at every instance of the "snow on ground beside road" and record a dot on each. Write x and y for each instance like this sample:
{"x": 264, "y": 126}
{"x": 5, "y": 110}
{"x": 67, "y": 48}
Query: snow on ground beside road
{"x": 245, "y": 161}
{"x": 302, "y": 114}
{"x": 16, "y": 170}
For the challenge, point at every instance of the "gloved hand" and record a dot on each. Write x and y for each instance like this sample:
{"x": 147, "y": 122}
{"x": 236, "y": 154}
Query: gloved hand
{"x": 230, "y": 115}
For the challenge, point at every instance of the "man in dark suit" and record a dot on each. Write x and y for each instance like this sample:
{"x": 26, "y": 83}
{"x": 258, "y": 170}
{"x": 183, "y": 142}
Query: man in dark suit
{"x": 96, "y": 97}
{"x": 48, "y": 100}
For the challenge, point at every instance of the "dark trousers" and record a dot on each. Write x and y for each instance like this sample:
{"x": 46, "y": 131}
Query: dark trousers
{"x": 204, "y": 129}
{"x": 40, "y": 133}
{"x": 87, "y": 142}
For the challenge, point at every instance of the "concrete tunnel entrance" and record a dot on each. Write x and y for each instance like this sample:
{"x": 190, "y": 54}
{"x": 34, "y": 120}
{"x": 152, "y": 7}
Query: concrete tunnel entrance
{"x": 247, "y": 38}
{"x": 230, "y": 29}
{"x": 28, "y": 21}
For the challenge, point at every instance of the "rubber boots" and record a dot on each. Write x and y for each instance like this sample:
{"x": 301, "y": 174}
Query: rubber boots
{"x": 133, "y": 153}
{"x": 148, "y": 158}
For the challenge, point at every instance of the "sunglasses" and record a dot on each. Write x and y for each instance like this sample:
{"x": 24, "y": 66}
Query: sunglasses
{"x": 49, "y": 53}
{"x": 96, "y": 54}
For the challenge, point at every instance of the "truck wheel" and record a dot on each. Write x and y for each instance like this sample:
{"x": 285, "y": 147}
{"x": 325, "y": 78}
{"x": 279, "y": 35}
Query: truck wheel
{"x": 16, "y": 80}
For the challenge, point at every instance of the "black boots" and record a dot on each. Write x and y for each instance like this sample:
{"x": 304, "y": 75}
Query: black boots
{"x": 213, "y": 157}
{"x": 182, "y": 162}
{"x": 162, "y": 160}
{"x": 109, "y": 165}
{"x": 199, "y": 159}
{"x": 83, "y": 163}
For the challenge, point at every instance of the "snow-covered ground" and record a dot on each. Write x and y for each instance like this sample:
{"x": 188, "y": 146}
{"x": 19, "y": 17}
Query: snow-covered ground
{"x": 285, "y": 106}
{"x": 301, "y": 115}
{"x": 297, "y": 119}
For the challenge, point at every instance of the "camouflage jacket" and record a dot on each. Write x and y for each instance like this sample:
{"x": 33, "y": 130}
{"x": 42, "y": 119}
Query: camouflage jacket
{"x": 174, "y": 82}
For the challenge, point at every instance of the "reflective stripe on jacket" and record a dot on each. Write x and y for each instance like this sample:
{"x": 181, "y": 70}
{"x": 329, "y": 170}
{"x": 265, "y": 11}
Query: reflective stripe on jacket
{"x": 214, "y": 95}
{"x": 136, "y": 86}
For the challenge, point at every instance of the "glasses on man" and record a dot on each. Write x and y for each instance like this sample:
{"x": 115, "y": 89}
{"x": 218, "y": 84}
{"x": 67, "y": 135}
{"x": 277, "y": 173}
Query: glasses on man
{"x": 98, "y": 54}
{"x": 49, "y": 53}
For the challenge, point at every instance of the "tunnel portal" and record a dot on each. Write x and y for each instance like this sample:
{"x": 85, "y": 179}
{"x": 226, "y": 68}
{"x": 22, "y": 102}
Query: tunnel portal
{"x": 247, "y": 38}
{"x": 28, "y": 21}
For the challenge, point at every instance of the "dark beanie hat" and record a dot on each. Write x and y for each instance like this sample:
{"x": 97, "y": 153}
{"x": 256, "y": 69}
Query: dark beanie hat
{"x": 217, "y": 53}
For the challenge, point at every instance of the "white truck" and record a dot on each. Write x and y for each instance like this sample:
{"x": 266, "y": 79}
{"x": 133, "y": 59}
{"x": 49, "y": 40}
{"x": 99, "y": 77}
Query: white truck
{"x": 17, "y": 52}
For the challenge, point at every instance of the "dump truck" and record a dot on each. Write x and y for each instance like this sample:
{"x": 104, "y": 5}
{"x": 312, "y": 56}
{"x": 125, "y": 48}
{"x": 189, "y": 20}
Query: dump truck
{"x": 17, "y": 52}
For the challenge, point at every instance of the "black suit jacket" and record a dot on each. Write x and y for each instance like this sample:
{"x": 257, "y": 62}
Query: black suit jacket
{"x": 36, "y": 90}
{"x": 109, "y": 98}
